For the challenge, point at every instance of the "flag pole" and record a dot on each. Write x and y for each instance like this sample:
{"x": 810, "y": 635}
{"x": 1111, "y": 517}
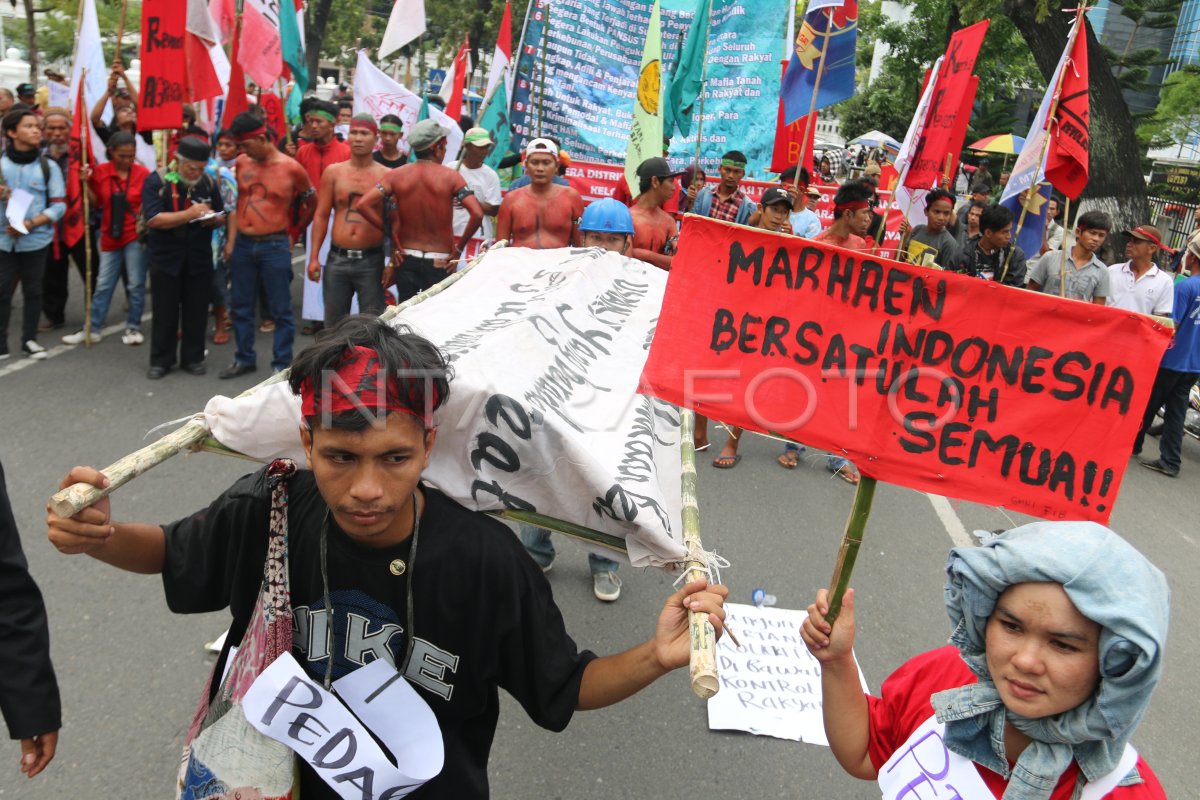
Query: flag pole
{"x": 1034, "y": 188}
{"x": 85, "y": 130}
{"x": 542, "y": 74}
{"x": 703, "y": 86}
{"x": 812, "y": 106}
{"x": 121, "y": 30}
{"x": 1062, "y": 270}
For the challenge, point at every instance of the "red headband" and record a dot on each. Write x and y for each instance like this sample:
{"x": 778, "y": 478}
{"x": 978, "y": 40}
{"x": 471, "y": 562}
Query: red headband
{"x": 853, "y": 205}
{"x": 369, "y": 124}
{"x": 261, "y": 130}
{"x": 359, "y": 384}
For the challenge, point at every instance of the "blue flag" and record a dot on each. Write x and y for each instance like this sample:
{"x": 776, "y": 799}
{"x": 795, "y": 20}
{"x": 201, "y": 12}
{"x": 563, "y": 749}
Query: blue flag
{"x": 829, "y": 34}
{"x": 1029, "y": 237}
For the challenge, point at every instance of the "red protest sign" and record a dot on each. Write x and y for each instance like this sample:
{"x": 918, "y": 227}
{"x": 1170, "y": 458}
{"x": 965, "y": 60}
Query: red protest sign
{"x": 953, "y": 81}
{"x": 164, "y": 65}
{"x": 926, "y": 379}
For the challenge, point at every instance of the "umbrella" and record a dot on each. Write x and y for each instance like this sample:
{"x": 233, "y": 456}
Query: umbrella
{"x": 876, "y": 139}
{"x": 1004, "y": 143}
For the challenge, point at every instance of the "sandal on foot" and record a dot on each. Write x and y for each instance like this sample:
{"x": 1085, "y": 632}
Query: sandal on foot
{"x": 726, "y": 462}
{"x": 788, "y": 460}
{"x": 701, "y": 448}
{"x": 848, "y": 474}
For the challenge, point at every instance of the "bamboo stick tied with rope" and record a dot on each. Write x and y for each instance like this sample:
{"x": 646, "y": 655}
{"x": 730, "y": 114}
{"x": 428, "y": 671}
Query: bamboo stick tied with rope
{"x": 702, "y": 668}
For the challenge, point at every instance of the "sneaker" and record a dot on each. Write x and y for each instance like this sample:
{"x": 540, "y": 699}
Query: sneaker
{"x": 132, "y": 336}
{"x": 79, "y": 336}
{"x": 606, "y": 586}
{"x": 1158, "y": 466}
{"x": 34, "y": 350}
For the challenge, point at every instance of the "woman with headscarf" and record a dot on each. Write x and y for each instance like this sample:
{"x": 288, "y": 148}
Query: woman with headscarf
{"x": 1059, "y": 629}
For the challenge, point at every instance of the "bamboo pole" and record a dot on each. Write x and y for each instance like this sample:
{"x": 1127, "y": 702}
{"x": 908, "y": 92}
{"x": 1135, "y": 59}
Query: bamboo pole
{"x": 1062, "y": 271}
{"x": 121, "y": 30}
{"x": 703, "y": 667}
{"x": 542, "y": 72}
{"x": 85, "y": 131}
{"x": 812, "y": 106}
{"x": 193, "y": 435}
{"x": 1033, "y": 189}
{"x": 856, "y": 523}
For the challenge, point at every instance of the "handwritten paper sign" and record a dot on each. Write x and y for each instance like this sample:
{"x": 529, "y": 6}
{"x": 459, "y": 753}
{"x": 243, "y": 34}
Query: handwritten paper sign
{"x": 927, "y": 379}
{"x": 287, "y": 705}
{"x": 771, "y": 685}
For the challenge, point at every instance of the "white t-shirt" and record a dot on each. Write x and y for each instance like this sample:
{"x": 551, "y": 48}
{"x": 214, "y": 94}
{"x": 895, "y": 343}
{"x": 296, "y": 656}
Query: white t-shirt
{"x": 1153, "y": 293}
{"x": 485, "y": 183}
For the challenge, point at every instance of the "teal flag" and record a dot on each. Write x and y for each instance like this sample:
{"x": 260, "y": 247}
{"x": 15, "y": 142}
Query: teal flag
{"x": 495, "y": 120}
{"x": 687, "y": 77}
{"x": 292, "y": 45}
{"x": 422, "y": 114}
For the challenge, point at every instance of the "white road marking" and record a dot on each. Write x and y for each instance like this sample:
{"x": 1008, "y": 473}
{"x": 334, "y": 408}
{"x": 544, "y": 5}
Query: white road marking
{"x": 21, "y": 361}
{"x": 950, "y": 521}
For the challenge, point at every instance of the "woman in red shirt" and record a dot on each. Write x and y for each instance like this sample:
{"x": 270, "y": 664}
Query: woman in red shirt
{"x": 1057, "y": 646}
{"x": 116, "y": 188}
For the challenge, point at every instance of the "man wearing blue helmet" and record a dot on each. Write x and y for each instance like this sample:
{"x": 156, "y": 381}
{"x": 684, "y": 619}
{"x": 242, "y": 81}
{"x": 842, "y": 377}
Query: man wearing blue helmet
{"x": 606, "y": 224}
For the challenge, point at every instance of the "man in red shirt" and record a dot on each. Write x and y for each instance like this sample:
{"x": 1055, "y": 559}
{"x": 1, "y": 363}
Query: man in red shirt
{"x": 321, "y": 151}
{"x": 655, "y": 231}
{"x": 851, "y": 217}
{"x": 115, "y": 187}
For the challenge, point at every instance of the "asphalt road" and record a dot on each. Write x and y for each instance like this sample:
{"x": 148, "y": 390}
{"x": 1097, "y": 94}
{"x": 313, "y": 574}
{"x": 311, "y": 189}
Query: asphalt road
{"x": 131, "y": 672}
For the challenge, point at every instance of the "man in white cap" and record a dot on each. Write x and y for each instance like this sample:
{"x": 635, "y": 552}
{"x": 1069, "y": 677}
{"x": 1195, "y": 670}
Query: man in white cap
{"x": 542, "y": 215}
{"x": 425, "y": 248}
{"x": 482, "y": 179}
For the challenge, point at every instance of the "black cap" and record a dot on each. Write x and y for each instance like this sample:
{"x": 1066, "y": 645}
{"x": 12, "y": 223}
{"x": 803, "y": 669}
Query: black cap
{"x": 656, "y": 167}
{"x": 25, "y": 88}
{"x": 776, "y": 195}
{"x": 193, "y": 148}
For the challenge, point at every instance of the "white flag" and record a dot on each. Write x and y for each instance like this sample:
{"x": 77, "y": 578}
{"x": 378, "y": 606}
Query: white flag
{"x": 89, "y": 55}
{"x": 377, "y": 94}
{"x": 406, "y": 23}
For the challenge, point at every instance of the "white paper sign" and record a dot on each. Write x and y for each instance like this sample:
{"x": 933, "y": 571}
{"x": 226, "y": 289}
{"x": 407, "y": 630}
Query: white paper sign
{"x": 287, "y": 705}
{"x": 19, "y": 201}
{"x": 771, "y": 685}
{"x": 923, "y": 769}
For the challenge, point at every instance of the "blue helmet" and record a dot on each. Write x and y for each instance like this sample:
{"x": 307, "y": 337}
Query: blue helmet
{"x": 607, "y": 216}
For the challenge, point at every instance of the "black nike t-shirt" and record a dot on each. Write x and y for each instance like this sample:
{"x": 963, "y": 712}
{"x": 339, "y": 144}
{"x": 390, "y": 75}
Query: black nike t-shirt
{"x": 484, "y": 615}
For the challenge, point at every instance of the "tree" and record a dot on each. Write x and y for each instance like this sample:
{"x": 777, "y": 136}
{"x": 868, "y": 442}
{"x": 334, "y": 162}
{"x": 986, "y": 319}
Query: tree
{"x": 1115, "y": 182}
{"x": 57, "y": 26}
{"x": 1132, "y": 67}
{"x": 1177, "y": 117}
{"x": 887, "y": 106}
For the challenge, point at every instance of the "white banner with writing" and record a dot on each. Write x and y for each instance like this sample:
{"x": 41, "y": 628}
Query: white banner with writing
{"x": 547, "y": 348}
{"x": 771, "y": 684}
{"x": 287, "y": 705}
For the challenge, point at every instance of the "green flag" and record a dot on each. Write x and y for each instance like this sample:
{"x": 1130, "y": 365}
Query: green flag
{"x": 646, "y": 136}
{"x": 422, "y": 114}
{"x": 687, "y": 78}
{"x": 292, "y": 45}
{"x": 495, "y": 120}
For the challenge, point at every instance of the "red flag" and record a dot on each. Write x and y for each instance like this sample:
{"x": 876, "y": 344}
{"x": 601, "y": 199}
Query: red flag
{"x": 73, "y": 223}
{"x": 1067, "y": 158}
{"x": 455, "y": 101}
{"x": 273, "y": 106}
{"x": 953, "y": 80}
{"x": 236, "y": 101}
{"x": 959, "y": 134}
{"x": 790, "y": 147}
{"x": 164, "y": 65}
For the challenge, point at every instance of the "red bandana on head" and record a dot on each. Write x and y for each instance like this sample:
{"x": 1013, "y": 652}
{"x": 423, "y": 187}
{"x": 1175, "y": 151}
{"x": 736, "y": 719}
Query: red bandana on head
{"x": 359, "y": 384}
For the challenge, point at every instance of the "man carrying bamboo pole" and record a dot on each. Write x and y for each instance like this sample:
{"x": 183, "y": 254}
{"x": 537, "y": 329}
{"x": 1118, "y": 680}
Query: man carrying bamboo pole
{"x": 464, "y": 614}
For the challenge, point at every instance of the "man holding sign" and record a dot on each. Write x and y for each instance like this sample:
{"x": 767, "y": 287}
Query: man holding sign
{"x": 462, "y": 616}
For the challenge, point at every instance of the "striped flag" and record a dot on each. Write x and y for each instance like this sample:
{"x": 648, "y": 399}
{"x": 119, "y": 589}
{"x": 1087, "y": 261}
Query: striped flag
{"x": 502, "y": 57}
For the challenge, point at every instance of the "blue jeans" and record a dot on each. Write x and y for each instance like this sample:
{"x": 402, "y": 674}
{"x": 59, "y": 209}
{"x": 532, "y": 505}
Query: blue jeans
{"x": 538, "y": 544}
{"x": 132, "y": 258}
{"x": 834, "y": 463}
{"x": 271, "y": 261}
